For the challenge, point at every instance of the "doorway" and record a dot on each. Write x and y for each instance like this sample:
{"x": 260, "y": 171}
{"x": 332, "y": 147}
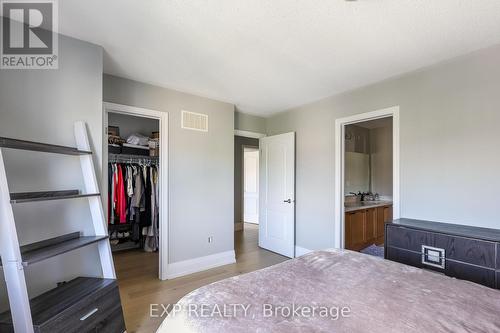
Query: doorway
{"x": 265, "y": 191}
{"x": 243, "y": 147}
{"x": 137, "y": 206}
{"x": 250, "y": 185}
{"x": 360, "y": 214}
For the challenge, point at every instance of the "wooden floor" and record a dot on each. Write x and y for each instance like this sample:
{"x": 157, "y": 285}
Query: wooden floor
{"x": 139, "y": 284}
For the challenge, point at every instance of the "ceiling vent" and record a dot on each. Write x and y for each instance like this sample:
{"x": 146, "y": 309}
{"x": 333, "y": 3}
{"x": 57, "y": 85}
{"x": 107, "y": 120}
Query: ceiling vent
{"x": 194, "y": 121}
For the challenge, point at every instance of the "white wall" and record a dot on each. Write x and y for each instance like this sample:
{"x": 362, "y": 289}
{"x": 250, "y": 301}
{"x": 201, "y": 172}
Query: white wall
{"x": 42, "y": 105}
{"x": 449, "y": 145}
{"x": 201, "y": 167}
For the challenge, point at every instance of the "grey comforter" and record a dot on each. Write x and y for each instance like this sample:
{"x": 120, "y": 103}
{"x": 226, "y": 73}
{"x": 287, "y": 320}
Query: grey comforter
{"x": 337, "y": 291}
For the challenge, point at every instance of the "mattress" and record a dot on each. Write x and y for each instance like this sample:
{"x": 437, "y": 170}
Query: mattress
{"x": 337, "y": 291}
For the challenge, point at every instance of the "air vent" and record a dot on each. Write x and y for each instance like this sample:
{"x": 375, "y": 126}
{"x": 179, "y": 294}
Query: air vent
{"x": 194, "y": 121}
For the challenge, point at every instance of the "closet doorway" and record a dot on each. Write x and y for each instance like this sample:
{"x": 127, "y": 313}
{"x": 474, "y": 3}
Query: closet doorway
{"x": 135, "y": 184}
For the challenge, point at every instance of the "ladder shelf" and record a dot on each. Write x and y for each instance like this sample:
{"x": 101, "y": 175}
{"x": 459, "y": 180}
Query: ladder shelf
{"x": 16, "y": 258}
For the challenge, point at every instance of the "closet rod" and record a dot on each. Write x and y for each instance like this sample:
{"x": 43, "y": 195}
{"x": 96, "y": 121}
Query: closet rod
{"x": 124, "y": 158}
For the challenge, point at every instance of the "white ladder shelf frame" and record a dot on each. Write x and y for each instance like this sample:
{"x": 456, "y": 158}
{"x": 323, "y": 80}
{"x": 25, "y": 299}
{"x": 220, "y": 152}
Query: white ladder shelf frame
{"x": 9, "y": 243}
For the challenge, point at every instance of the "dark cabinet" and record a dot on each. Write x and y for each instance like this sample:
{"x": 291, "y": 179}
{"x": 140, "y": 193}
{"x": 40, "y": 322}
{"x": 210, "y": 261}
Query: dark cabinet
{"x": 463, "y": 252}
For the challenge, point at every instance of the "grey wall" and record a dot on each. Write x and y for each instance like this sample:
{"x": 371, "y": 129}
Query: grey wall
{"x": 130, "y": 124}
{"x": 357, "y": 159}
{"x": 247, "y": 122}
{"x": 368, "y": 157}
{"x": 239, "y": 143}
{"x": 42, "y": 105}
{"x": 381, "y": 160}
{"x": 201, "y": 167}
{"x": 449, "y": 145}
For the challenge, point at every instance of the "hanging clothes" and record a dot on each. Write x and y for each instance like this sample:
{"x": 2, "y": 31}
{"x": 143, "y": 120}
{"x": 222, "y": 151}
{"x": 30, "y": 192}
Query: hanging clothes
{"x": 151, "y": 243}
{"x": 146, "y": 213}
{"x": 133, "y": 203}
{"x": 121, "y": 203}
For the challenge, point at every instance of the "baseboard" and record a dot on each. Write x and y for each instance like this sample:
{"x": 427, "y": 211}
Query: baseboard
{"x": 190, "y": 266}
{"x": 238, "y": 226}
{"x": 300, "y": 251}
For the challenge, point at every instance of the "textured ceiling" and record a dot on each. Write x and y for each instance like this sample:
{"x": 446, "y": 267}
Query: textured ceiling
{"x": 269, "y": 55}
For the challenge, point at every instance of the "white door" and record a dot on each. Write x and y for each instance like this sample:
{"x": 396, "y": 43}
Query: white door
{"x": 277, "y": 194}
{"x": 251, "y": 185}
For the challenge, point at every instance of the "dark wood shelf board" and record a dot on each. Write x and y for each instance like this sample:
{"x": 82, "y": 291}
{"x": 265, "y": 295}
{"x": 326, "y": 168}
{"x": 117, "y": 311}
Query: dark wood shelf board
{"x": 48, "y": 195}
{"x": 40, "y": 147}
{"x": 62, "y": 298}
{"x": 39, "y": 251}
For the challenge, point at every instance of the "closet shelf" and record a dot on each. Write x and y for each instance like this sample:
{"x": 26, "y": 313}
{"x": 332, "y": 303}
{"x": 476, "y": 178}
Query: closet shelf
{"x": 39, "y": 251}
{"x": 48, "y": 195}
{"x": 40, "y": 147}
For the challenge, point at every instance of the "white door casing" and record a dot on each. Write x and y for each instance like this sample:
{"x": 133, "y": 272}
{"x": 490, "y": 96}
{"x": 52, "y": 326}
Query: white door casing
{"x": 339, "y": 236}
{"x": 277, "y": 194}
{"x": 162, "y": 117}
{"x": 251, "y": 185}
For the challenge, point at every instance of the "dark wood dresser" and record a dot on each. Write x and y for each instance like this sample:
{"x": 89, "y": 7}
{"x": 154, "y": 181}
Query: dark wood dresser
{"x": 81, "y": 305}
{"x": 464, "y": 252}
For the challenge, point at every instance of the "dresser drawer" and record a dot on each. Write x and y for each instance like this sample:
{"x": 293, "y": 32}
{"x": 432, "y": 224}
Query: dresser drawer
{"x": 80, "y": 305}
{"x": 86, "y": 314}
{"x": 452, "y": 268}
{"x": 467, "y": 250}
{"x": 410, "y": 258}
{"x": 408, "y": 239}
{"x": 113, "y": 323}
{"x": 404, "y": 256}
{"x": 498, "y": 256}
{"x": 476, "y": 274}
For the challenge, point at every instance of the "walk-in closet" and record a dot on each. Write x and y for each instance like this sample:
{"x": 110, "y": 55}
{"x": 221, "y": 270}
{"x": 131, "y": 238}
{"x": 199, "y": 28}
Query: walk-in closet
{"x": 133, "y": 189}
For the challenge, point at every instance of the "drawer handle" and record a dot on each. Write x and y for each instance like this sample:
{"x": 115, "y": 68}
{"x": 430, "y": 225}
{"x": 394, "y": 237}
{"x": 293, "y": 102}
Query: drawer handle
{"x": 433, "y": 256}
{"x": 89, "y": 314}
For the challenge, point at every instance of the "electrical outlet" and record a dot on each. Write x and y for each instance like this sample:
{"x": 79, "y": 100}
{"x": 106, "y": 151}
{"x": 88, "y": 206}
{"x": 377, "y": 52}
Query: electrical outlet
{"x": 210, "y": 239}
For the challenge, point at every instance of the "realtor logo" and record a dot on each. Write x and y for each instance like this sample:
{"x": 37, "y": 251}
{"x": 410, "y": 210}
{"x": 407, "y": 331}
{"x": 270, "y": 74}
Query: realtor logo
{"x": 29, "y": 34}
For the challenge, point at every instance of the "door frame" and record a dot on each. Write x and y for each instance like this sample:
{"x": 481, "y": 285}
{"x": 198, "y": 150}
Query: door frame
{"x": 243, "y": 147}
{"x": 340, "y": 124}
{"x": 162, "y": 117}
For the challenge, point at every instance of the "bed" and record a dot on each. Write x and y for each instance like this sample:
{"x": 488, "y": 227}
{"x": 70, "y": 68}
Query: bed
{"x": 362, "y": 293}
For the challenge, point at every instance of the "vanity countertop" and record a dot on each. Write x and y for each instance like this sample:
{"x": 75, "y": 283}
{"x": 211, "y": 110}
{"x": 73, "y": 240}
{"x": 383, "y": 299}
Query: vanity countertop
{"x": 354, "y": 206}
